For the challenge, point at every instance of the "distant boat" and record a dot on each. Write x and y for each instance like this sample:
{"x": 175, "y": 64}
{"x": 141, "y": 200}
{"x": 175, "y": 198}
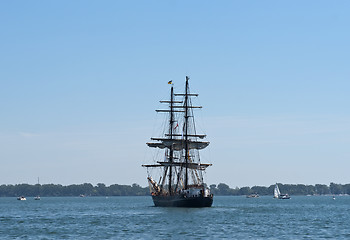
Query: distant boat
{"x": 277, "y": 194}
{"x": 254, "y": 195}
{"x": 38, "y": 196}
{"x": 81, "y": 195}
{"x": 333, "y": 198}
{"x": 21, "y": 198}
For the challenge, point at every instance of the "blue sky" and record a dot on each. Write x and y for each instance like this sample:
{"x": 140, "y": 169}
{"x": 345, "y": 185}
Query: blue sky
{"x": 80, "y": 81}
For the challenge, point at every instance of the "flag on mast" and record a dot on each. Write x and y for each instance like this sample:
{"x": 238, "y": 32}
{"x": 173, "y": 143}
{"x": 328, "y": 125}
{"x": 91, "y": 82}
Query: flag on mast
{"x": 170, "y": 82}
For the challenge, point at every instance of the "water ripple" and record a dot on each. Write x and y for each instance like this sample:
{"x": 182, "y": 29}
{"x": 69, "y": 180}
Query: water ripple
{"x": 135, "y": 218}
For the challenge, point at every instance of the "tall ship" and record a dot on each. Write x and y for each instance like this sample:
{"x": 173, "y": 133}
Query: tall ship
{"x": 179, "y": 182}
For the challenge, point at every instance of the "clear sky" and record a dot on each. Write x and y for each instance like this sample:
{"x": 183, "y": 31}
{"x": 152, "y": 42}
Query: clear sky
{"x": 80, "y": 80}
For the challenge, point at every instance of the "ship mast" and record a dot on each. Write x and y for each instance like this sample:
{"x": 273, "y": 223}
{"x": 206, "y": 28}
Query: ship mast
{"x": 171, "y": 123}
{"x": 186, "y": 132}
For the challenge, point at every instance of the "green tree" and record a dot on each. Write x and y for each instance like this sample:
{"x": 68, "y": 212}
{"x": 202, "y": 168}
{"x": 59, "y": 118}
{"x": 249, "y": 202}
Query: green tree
{"x": 321, "y": 189}
{"x": 223, "y": 189}
{"x": 336, "y": 188}
{"x": 244, "y": 191}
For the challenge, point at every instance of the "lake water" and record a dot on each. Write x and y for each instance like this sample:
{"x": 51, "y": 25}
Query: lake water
{"x": 301, "y": 217}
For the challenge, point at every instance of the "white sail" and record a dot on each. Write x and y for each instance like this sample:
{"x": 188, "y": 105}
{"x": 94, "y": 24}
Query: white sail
{"x": 276, "y": 192}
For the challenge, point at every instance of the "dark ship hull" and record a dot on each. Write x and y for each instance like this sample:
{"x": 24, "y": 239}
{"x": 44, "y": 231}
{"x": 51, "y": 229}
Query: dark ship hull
{"x": 182, "y": 201}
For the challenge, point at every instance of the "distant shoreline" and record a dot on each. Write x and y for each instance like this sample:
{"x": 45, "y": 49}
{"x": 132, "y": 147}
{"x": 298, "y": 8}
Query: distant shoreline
{"x": 222, "y": 189}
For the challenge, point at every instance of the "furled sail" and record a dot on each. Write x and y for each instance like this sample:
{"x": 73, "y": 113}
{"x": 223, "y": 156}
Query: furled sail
{"x": 177, "y": 144}
{"x": 189, "y": 135}
{"x": 198, "y": 166}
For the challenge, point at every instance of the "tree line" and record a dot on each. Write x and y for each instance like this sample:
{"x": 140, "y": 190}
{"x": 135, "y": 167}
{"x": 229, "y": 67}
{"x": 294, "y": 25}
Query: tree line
{"x": 87, "y": 189}
{"x": 291, "y": 189}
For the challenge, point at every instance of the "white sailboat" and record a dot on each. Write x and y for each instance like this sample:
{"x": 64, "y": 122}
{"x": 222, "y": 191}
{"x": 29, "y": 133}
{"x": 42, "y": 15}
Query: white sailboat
{"x": 277, "y": 194}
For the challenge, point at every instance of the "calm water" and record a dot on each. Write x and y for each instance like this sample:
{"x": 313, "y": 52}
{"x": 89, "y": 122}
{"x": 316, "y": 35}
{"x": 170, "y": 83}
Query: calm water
{"x": 136, "y": 218}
